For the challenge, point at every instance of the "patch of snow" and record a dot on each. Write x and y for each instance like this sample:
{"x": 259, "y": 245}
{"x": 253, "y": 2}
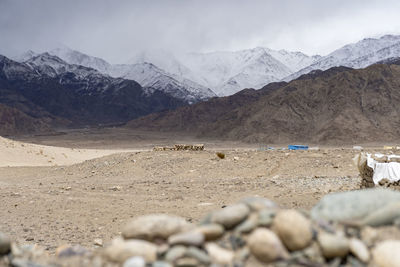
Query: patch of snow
{"x": 358, "y": 55}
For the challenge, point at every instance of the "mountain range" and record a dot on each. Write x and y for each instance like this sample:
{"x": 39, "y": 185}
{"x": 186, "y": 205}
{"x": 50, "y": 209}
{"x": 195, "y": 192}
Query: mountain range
{"x": 358, "y": 55}
{"x": 64, "y": 87}
{"x": 197, "y": 77}
{"x": 146, "y": 74}
{"x": 47, "y": 91}
{"x": 228, "y": 72}
{"x": 338, "y": 105}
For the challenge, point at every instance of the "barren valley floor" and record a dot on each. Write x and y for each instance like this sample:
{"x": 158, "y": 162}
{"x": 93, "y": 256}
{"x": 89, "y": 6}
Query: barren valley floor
{"x": 53, "y": 205}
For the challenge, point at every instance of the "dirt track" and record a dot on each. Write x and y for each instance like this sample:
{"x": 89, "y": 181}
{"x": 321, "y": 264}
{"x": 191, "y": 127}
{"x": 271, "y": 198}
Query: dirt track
{"x": 54, "y": 205}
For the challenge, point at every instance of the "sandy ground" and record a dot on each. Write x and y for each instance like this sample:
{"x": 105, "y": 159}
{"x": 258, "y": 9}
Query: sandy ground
{"x": 15, "y": 153}
{"x": 54, "y": 205}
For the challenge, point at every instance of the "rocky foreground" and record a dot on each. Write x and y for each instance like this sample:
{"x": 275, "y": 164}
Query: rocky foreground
{"x": 355, "y": 228}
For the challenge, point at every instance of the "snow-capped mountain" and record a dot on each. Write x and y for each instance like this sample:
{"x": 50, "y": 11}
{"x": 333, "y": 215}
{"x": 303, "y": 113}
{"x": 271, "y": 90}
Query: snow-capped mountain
{"x": 24, "y": 56}
{"x": 195, "y": 77}
{"x": 78, "y": 58}
{"x": 190, "y": 76}
{"x": 358, "y": 55}
{"x": 164, "y": 60}
{"x": 154, "y": 78}
{"x": 53, "y": 66}
{"x": 293, "y": 60}
{"x": 47, "y": 87}
{"x": 146, "y": 74}
{"x": 229, "y": 72}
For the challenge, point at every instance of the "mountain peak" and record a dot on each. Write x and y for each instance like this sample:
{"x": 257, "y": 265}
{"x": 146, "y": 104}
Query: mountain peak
{"x": 3, "y": 58}
{"x": 25, "y": 56}
{"x": 356, "y": 55}
{"x": 46, "y": 58}
{"x": 78, "y": 58}
{"x": 390, "y": 37}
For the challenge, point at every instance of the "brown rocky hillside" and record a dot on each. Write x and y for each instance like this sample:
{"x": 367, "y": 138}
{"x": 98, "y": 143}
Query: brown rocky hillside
{"x": 340, "y": 105}
{"x": 15, "y": 122}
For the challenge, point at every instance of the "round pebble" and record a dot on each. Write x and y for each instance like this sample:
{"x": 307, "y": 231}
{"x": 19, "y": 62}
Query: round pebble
{"x": 266, "y": 246}
{"x": 219, "y": 255}
{"x": 161, "y": 264}
{"x": 248, "y": 225}
{"x": 175, "y": 253}
{"x": 231, "y": 215}
{"x": 333, "y": 246}
{"x": 293, "y": 229}
{"x": 387, "y": 253}
{"x": 259, "y": 203}
{"x": 135, "y": 262}
{"x": 150, "y": 227}
{"x": 359, "y": 249}
{"x": 70, "y": 251}
{"x": 187, "y": 262}
{"x": 266, "y": 217}
{"x": 211, "y": 231}
{"x": 192, "y": 238}
{"x": 121, "y": 250}
{"x": 198, "y": 254}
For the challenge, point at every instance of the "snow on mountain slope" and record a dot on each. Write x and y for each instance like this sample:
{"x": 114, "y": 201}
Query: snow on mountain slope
{"x": 52, "y": 66}
{"x": 78, "y": 58}
{"x": 152, "y": 77}
{"x": 25, "y": 56}
{"x": 358, "y": 55}
{"x": 47, "y": 87}
{"x": 164, "y": 60}
{"x": 383, "y": 54}
{"x": 230, "y": 72}
{"x": 147, "y": 75}
{"x": 193, "y": 74}
{"x": 295, "y": 61}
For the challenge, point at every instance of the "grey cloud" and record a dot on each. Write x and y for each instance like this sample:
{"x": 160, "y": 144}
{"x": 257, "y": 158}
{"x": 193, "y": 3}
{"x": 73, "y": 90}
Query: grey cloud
{"x": 116, "y": 30}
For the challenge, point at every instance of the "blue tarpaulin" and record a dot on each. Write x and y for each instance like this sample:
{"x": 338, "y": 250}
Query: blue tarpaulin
{"x": 297, "y": 147}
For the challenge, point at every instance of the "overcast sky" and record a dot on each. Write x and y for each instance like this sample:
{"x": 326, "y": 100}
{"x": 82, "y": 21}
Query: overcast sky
{"x": 117, "y": 29}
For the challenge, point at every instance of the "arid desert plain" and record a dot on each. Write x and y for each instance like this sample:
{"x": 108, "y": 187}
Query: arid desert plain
{"x": 84, "y": 185}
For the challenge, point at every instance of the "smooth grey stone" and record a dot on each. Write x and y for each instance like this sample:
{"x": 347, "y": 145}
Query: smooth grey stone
{"x": 135, "y": 262}
{"x": 24, "y": 263}
{"x": 248, "y": 225}
{"x": 352, "y": 205}
{"x": 192, "y": 238}
{"x": 150, "y": 227}
{"x": 259, "y": 203}
{"x": 266, "y": 217}
{"x": 161, "y": 264}
{"x": 231, "y": 215}
{"x": 175, "y": 253}
{"x": 198, "y": 254}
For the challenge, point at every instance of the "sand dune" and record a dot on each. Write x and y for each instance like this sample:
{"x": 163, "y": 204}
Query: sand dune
{"x": 15, "y": 153}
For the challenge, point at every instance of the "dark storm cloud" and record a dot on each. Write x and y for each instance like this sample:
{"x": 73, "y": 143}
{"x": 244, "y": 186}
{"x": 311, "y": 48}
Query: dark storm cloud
{"x": 117, "y": 29}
